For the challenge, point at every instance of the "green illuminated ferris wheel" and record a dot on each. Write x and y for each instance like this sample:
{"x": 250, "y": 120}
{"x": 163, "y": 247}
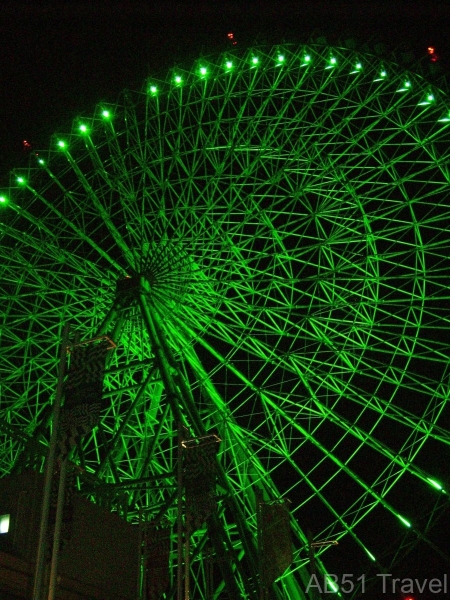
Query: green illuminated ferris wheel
{"x": 265, "y": 239}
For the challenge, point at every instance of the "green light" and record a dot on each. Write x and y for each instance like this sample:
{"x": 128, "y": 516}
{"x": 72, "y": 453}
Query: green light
{"x": 106, "y": 114}
{"x": 203, "y": 71}
{"x": 307, "y": 58}
{"x": 62, "y": 144}
{"x": 333, "y": 61}
{"x": 404, "y": 521}
{"x": 21, "y": 181}
{"x": 178, "y": 79}
{"x": 428, "y": 100}
{"x": 280, "y": 58}
{"x": 332, "y": 584}
{"x": 3, "y": 200}
{"x": 406, "y": 86}
{"x": 371, "y": 556}
{"x": 434, "y": 483}
{"x": 153, "y": 89}
{"x": 83, "y": 128}
{"x": 41, "y": 161}
{"x": 383, "y": 74}
{"x": 358, "y": 66}
{"x": 255, "y": 60}
{"x": 4, "y": 523}
{"x": 229, "y": 64}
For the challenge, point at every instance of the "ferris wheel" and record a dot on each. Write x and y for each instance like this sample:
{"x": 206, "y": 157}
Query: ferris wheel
{"x": 264, "y": 238}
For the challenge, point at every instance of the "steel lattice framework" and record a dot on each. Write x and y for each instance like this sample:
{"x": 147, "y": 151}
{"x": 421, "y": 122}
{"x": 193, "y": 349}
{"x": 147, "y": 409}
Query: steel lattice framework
{"x": 282, "y": 216}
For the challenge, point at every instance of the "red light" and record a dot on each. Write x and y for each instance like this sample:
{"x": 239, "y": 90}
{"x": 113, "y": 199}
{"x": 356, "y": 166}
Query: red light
{"x": 434, "y": 57}
{"x": 230, "y": 36}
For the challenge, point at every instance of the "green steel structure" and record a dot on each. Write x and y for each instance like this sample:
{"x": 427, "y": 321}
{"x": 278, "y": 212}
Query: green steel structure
{"x": 265, "y": 238}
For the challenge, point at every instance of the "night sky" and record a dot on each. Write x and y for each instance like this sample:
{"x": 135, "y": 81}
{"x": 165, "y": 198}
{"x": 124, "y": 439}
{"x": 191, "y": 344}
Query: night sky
{"x": 60, "y": 59}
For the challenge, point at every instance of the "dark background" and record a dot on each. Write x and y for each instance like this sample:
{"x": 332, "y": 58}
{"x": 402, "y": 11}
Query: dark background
{"x": 59, "y": 59}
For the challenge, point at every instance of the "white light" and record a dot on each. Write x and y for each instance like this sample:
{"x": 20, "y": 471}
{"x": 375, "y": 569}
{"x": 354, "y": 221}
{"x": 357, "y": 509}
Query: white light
{"x": 382, "y": 76}
{"x": 434, "y": 483}
{"x": 332, "y": 585}
{"x": 404, "y": 521}
{"x": 4, "y": 523}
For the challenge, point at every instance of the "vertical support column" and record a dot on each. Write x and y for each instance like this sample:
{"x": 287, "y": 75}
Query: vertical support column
{"x": 259, "y": 538}
{"x": 186, "y": 547}
{"x": 140, "y": 579}
{"x": 259, "y": 501}
{"x": 180, "y": 533}
{"x": 49, "y": 467}
{"x": 57, "y": 532}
